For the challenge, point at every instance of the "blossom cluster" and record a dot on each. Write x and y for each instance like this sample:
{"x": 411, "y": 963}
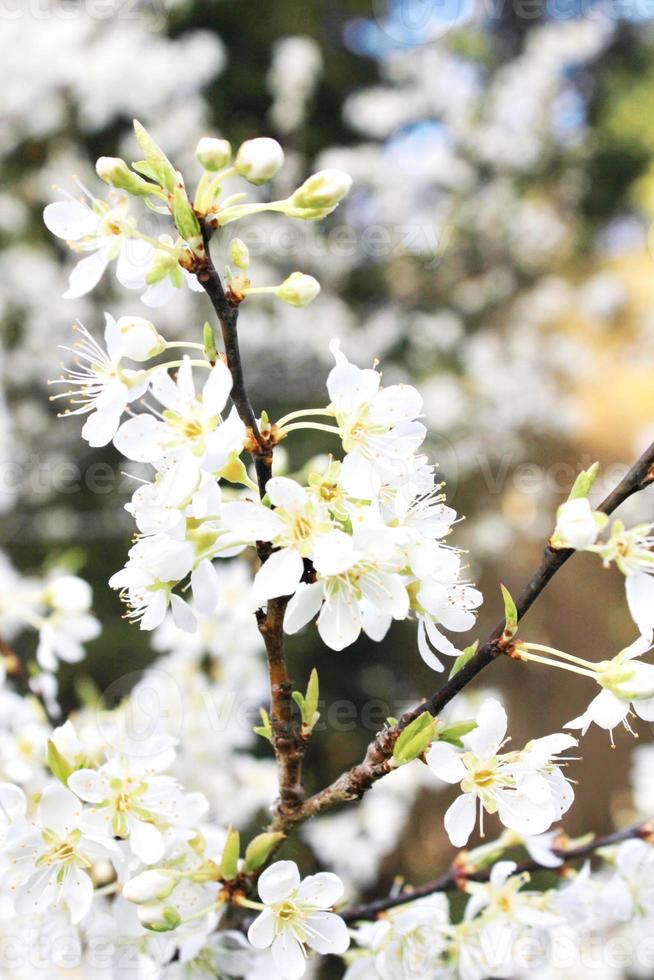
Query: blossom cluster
{"x": 508, "y": 930}
{"x": 360, "y": 543}
{"x": 122, "y": 828}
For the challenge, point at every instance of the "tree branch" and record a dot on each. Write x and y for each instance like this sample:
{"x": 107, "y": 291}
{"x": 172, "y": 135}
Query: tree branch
{"x": 457, "y": 876}
{"x": 288, "y": 742}
{"x": 353, "y": 784}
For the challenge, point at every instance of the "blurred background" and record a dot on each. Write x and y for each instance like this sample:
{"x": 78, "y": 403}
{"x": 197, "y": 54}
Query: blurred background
{"x": 495, "y": 250}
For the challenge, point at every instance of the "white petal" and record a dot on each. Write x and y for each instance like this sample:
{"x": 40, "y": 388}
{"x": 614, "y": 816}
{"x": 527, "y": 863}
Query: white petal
{"x": 183, "y": 614}
{"x": 286, "y": 493}
{"x": 100, "y": 428}
{"x": 90, "y": 785}
{"x": 279, "y": 575}
{"x": 322, "y": 890}
{"x": 38, "y": 894}
{"x": 375, "y": 622}
{"x": 140, "y": 438}
{"x": 156, "y": 611}
{"x": 86, "y": 274}
{"x": 445, "y": 762}
{"x": 328, "y": 933}
{"x": 134, "y": 260}
{"x": 262, "y": 931}
{"x": 206, "y": 587}
{"x": 359, "y": 478}
{"x": 146, "y": 841}
{"x": 304, "y": 605}
{"x": 59, "y": 809}
{"x": 70, "y": 220}
{"x": 216, "y": 389}
{"x": 425, "y": 650}
{"x": 252, "y": 522}
{"x": 645, "y": 709}
{"x": 522, "y": 815}
{"x": 339, "y": 623}
{"x": 387, "y": 592}
{"x": 288, "y": 956}
{"x": 159, "y": 293}
{"x": 458, "y": 620}
{"x": 334, "y": 553}
{"x": 639, "y": 588}
{"x": 78, "y": 892}
{"x": 607, "y": 711}
{"x": 278, "y": 882}
{"x": 460, "y": 819}
{"x": 440, "y": 642}
{"x": 491, "y": 728}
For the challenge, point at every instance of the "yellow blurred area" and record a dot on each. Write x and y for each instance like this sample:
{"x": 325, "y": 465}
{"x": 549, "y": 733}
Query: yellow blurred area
{"x": 616, "y": 396}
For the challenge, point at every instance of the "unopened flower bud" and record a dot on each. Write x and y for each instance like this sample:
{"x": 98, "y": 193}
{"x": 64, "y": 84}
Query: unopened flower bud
{"x": 259, "y": 160}
{"x": 239, "y": 253}
{"x": 298, "y": 289}
{"x": 115, "y": 171}
{"x": 140, "y": 339}
{"x": 576, "y": 525}
{"x": 150, "y": 886}
{"x": 323, "y": 190}
{"x": 212, "y": 153}
{"x": 159, "y": 918}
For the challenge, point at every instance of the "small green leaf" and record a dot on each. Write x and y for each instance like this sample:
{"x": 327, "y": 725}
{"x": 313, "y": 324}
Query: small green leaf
{"x": 209, "y": 340}
{"x": 231, "y": 851}
{"x": 184, "y": 216}
{"x": 510, "y": 613}
{"x": 58, "y": 766}
{"x": 259, "y": 849}
{"x": 265, "y": 730}
{"x": 308, "y": 704}
{"x": 584, "y": 482}
{"x": 415, "y": 739}
{"x": 161, "y": 169}
{"x": 454, "y": 733}
{"x": 463, "y": 658}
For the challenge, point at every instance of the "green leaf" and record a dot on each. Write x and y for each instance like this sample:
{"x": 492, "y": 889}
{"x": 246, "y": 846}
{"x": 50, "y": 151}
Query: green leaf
{"x": 463, "y": 658}
{"x": 259, "y": 849}
{"x": 415, "y": 739}
{"x": 454, "y": 733}
{"x": 185, "y": 219}
{"x": 161, "y": 169}
{"x": 584, "y": 482}
{"x": 209, "y": 340}
{"x": 308, "y": 703}
{"x": 510, "y": 613}
{"x": 265, "y": 730}
{"x": 143, "y": 167}
{"x": 59, "y": 767}
{"x": 231, "y": 851}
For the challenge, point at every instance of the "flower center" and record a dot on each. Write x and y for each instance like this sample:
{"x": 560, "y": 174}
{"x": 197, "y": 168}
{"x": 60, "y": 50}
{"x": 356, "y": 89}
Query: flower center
{"x": 302, "y": 528}
{"x": 287, "y": 912}
{"x": 483, "y": 777}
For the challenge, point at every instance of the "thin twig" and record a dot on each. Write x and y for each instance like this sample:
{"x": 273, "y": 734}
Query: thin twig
{"x": 456, "y": 877}
{"x": 288, "y": 742}
{"x": 355, "y": 782}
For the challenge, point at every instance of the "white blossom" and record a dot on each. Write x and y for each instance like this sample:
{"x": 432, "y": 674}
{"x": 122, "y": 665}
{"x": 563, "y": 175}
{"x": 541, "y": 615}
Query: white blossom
{"x": 296, "y": 915}
{"x": 526, "y": 789}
